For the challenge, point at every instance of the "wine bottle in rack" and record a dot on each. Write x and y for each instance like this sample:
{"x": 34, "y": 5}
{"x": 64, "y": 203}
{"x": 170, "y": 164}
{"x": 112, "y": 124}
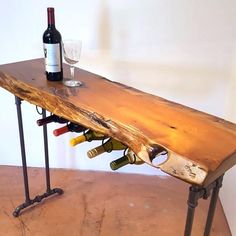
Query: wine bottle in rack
{"x": 88, "y": 136}
{"x": 50, "y": 119}
{"x": 52, "y": 44}
{"x": 108, "y": 146}
{"x": 71, "y": 127}
{"x": 129, "y": 158}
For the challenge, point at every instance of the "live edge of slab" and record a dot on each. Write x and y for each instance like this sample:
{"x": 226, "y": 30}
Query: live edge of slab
{"x": 200, "y": 147}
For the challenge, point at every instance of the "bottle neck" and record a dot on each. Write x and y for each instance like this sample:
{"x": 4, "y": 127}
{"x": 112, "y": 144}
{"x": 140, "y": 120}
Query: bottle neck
{"x": 120, "y": 162}
{"x": 51, "y": 18}
{"x": 95, "y": 152}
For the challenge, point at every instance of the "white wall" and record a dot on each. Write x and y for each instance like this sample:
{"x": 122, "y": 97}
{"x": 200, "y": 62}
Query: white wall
{"x": 228, "y": 193}
{"x": 182, "y": 50}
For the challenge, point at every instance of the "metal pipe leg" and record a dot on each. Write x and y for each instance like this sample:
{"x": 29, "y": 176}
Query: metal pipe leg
{"x": 212, "y": 206}
{"x": 46, "y": 154}
{"x": 45, "y": 138}
{"x": 28, "y": 202}
{"x": 192, "y": 204}
{"x": 22, "y": 146}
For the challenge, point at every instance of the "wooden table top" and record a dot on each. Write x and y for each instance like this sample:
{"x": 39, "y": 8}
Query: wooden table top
{"x": 201, "y": 147}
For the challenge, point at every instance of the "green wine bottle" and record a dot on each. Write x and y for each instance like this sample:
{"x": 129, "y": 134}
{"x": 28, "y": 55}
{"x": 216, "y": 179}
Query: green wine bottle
{"x": 132, "y": 158}
{"x": 108, "y": 146}
{"x": 129, "y": 158}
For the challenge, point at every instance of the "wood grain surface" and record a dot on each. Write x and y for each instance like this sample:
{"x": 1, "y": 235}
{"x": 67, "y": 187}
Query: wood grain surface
{"x": 200, "y": 146}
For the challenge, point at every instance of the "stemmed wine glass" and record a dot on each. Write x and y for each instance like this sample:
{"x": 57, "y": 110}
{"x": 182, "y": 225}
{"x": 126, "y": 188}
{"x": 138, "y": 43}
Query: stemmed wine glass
{"x": 71, "y": 52}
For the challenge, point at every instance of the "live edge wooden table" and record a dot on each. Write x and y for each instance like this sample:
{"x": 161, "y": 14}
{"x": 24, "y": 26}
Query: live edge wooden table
{"x": 200, "y": 147}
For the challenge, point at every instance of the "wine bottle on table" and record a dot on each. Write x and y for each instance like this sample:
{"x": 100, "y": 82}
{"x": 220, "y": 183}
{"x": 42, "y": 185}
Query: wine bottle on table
{"x": 52, "y": 43}
{"x": 108, "y": 146}
{"x": 50, "y": 119}
{"x": 71, "y": 127}
{"x": 88, "y": 136}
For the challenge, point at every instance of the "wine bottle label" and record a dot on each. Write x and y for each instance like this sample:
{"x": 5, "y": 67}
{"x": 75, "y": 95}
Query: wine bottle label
{"x": 52, "y": 57}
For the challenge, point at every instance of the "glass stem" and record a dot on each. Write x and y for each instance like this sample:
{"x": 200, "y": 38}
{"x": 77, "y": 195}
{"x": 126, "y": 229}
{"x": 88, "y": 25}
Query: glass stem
{"x": 72, "y": 71}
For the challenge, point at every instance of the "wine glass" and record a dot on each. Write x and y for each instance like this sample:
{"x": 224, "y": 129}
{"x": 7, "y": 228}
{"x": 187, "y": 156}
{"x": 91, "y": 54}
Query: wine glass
{"x": 71, "y": 51}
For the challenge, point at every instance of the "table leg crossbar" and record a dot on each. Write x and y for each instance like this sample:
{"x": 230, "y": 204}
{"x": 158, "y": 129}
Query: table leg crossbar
{"x": 196, "y": 193}
{"x": 28, "y": 201}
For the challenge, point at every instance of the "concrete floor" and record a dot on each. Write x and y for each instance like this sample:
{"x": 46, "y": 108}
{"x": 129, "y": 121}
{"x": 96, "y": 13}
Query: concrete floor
{"x": 101, "y": 203}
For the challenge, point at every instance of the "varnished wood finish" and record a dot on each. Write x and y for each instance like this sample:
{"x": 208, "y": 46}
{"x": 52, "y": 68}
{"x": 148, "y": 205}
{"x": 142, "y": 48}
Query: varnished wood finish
{"x": 200, "y": 147}
{"x": 101, "y": 204}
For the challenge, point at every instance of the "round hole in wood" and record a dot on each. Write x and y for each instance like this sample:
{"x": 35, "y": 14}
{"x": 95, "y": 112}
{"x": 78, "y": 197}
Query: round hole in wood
{"x": 160, "y": 159}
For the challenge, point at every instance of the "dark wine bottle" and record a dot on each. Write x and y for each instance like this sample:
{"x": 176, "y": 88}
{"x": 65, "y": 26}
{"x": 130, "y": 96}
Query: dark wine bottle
{"x": 132, "y": 158}
{"x": 71, "y": 127}
{"x": 50, "y": 119}
{"x": 52, "y": 49}
{"x": 129, "y": 158}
